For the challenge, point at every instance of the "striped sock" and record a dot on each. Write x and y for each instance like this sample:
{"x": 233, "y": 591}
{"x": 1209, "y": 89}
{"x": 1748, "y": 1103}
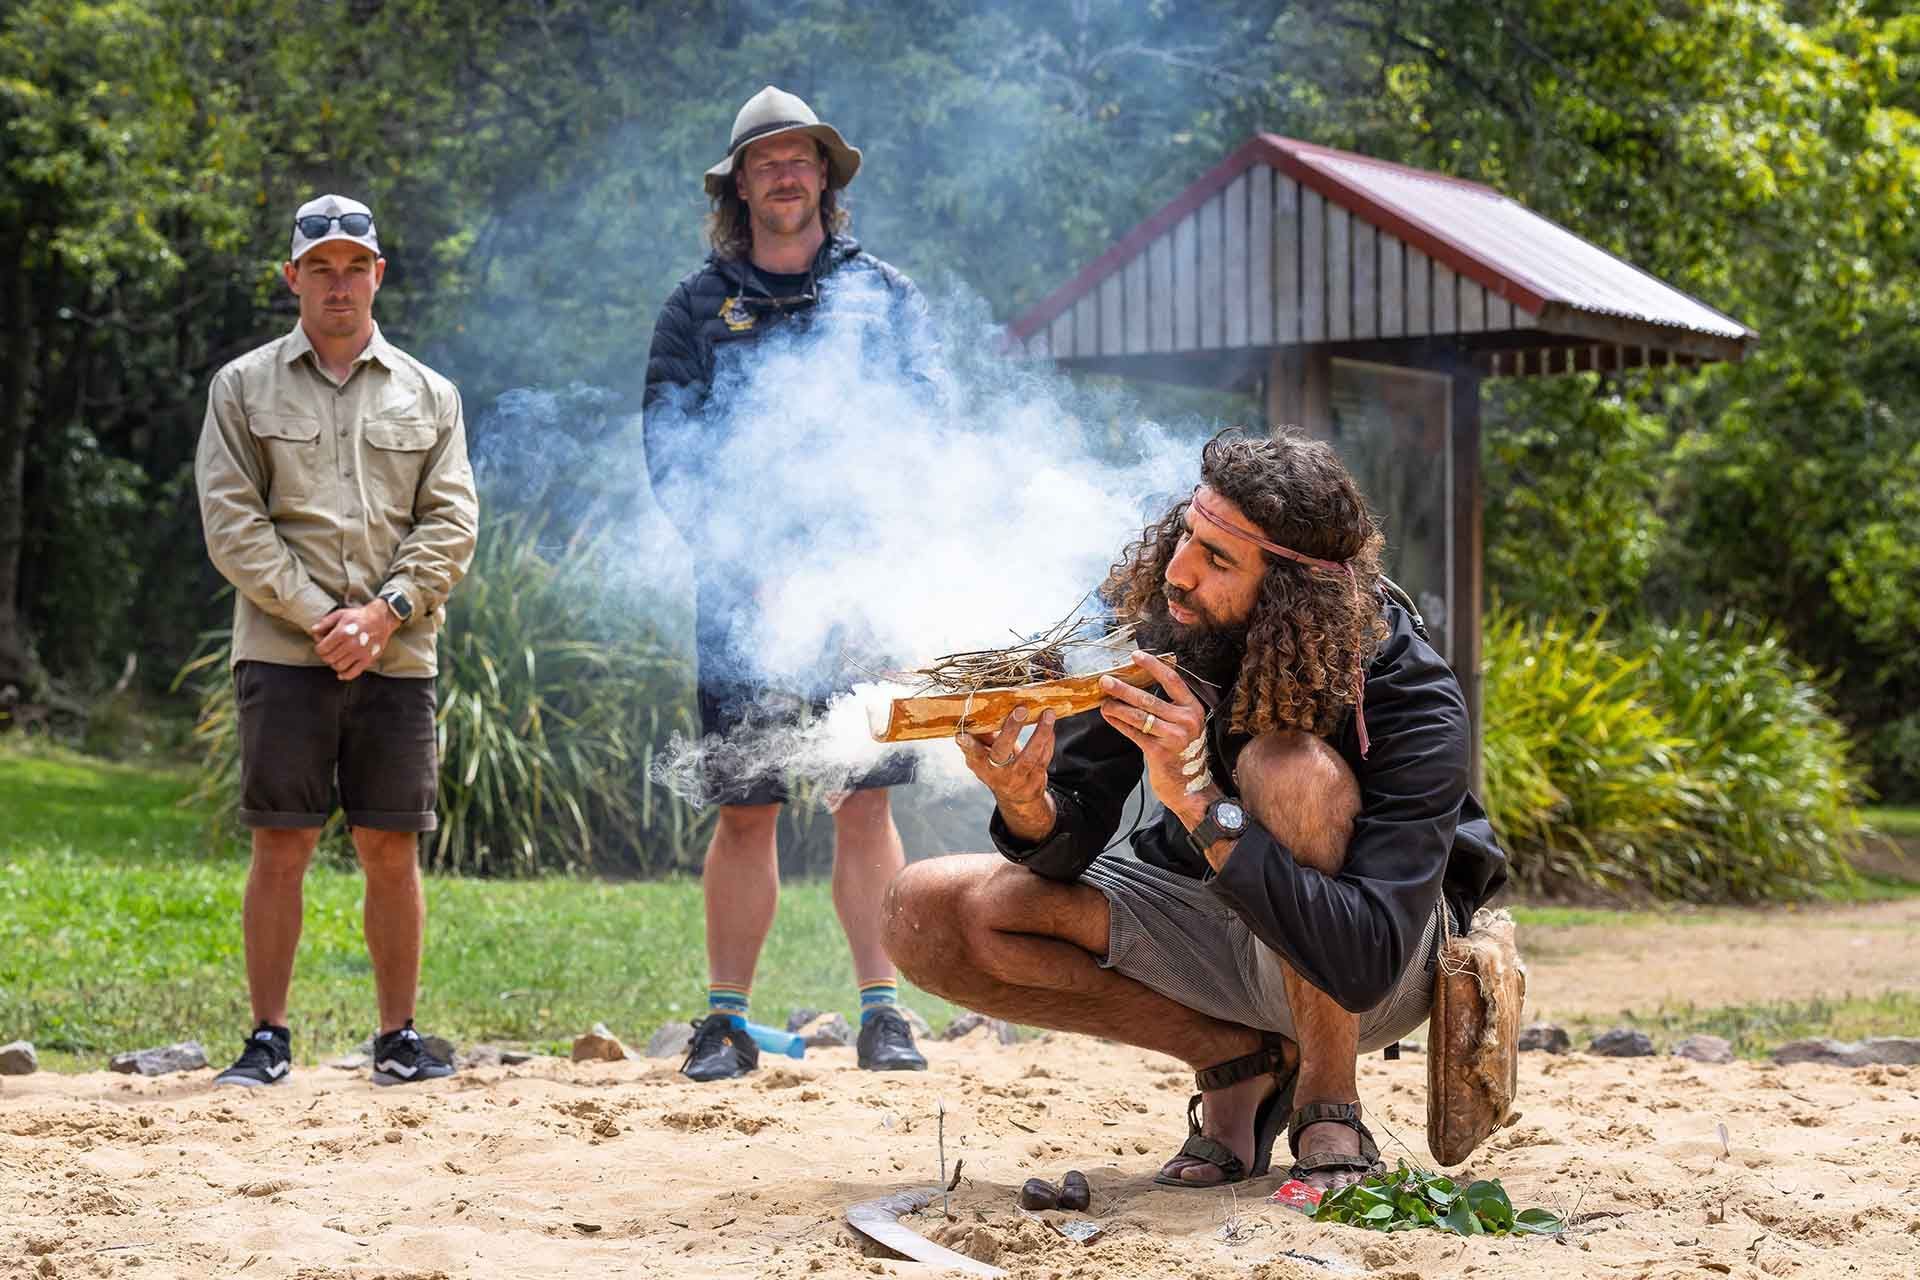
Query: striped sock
{"x": 875, "y": 996}
{"x": 726, "y": 998}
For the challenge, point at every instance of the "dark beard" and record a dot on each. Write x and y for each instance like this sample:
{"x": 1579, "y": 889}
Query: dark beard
{"x": 1214, "y": 654}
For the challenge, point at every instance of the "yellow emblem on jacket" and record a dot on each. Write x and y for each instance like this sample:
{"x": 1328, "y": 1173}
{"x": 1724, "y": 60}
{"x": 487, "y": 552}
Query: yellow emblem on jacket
{"x": 738, "y": 318}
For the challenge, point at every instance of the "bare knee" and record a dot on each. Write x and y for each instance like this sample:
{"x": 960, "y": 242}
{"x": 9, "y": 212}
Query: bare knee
{"x": 282, "y": 854}
{"x": 1301, "y": 791}
{"x": 744, "y": 821}
{"x": 385, "y": 854}
{"x": 920, "y": 917}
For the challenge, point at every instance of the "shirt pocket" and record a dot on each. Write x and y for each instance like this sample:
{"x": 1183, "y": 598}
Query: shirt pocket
{"x": 397, "y": 448}
{"x": 290, "y": 443}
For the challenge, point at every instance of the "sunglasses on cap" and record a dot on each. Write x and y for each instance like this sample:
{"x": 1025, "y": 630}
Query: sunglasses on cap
{"x": 315, "y": 225}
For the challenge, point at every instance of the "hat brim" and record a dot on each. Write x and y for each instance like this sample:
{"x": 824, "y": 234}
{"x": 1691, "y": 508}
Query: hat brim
{"x": 843, "y": 161}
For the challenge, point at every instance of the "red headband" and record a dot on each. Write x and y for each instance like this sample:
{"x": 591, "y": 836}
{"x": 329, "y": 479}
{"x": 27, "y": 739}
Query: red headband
{"x": 1332, "y": 566}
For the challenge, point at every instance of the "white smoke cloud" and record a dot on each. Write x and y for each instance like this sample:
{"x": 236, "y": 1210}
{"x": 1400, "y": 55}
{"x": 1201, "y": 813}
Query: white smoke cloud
{"x": 891, "y": 497}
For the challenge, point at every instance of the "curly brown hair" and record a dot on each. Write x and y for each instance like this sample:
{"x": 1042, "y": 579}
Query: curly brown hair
{"x": 1311, "y": 633}
{"x": 730, "y": 222}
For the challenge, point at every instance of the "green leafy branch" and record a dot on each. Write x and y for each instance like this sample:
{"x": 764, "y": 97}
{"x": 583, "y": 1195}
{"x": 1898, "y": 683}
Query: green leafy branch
{"x": 1405, "y": 1198}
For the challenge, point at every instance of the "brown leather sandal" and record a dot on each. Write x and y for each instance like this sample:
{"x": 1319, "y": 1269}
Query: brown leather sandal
{"x": 1346, "y": 1113}
{"x": 1268, "y": 1059}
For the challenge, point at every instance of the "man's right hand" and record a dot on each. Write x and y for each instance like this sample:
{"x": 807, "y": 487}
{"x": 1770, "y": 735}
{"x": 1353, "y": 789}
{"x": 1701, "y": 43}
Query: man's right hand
{"x": 1016, "y": 775}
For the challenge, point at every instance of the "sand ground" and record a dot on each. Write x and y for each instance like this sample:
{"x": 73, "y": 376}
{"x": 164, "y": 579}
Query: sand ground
{"x": 562, "y": 1169}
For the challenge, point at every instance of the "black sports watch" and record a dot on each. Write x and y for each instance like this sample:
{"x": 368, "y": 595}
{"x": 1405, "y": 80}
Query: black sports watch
{"x": 1225, "y": 820}
{"x": 397, "y": 601}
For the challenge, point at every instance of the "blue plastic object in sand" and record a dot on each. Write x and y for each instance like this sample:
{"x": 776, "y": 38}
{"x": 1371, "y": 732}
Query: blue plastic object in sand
{"x": 772, "y": 1040}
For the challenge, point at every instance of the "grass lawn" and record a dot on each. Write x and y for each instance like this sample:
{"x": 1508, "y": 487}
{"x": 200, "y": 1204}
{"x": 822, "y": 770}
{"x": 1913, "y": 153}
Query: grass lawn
{"x": 120, "y": 928}
{"x": 1894, "y": 820}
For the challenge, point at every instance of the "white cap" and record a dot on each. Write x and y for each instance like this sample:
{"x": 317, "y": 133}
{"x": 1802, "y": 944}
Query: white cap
{"x": 330, "y": 207}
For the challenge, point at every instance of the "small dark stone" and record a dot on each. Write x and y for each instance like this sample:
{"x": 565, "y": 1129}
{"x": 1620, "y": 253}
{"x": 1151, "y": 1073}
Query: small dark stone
{"x": 1704, "y": 1048}
{"x": 1881, "y": 1050}
{"x": 1075, "y": 1194}
{"x": 800, "y": 1018}
{"x": 1544, "y": 1037}
{"x": 1622, "y": 1042}
{"x": 671, "y": 1040}
{"x": 185, "y": 1056}
{"x": 18, "y": 1059}
{"x": 962, "y": 1024}
{"x": 440, "y": 1047}
{"x": 969, "y": 1022}
{"x": 1038, "y": 1193}
{"x": 480, "y": 1055}
{"x": 514, "y": 1057}
{"x": 825, "y": 1031}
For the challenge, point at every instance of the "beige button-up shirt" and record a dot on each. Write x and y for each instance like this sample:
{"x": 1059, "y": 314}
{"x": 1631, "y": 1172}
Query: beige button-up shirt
{"x": 316, "y": 494}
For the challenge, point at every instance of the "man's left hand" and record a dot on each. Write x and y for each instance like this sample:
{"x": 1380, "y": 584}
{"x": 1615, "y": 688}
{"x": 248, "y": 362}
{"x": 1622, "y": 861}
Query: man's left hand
{"x": 1162, "y": 728}
{"x": 350, "y": 640}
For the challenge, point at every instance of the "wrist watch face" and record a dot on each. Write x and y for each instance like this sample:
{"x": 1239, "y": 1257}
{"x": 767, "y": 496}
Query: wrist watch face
{"x": 1229, "y": 817}
{"x": 398, "y": 603}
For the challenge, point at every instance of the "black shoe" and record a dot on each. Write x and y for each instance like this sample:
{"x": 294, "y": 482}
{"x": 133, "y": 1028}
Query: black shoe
{"x": 721, "y": 1050}
{"x": 267, "y": 1058}
{"x": 886, "y": 1044}
{"x": 401, "y": 1057}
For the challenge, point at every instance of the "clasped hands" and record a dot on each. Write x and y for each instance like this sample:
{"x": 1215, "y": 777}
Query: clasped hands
{"x": 350, "y": 640}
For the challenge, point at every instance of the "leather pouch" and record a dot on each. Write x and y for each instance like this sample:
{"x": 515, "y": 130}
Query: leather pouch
{"x": 1473, "y": 1039}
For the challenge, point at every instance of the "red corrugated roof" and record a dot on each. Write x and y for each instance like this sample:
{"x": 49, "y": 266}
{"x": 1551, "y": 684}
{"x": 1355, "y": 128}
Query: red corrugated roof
{"x": 1467, "y": 226}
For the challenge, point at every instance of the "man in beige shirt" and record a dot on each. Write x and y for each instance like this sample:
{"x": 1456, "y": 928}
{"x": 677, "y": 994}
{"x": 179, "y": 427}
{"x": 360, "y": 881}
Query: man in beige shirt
{"x": 337, "y": 498}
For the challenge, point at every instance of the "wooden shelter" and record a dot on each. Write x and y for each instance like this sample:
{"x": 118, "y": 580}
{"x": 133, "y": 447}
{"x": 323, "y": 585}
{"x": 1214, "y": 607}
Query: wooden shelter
{"x": 1365, "y": 301}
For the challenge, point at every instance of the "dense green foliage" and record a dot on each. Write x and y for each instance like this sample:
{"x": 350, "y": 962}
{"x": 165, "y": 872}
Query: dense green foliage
{"x": 1405, "y": 1198}
{"x": 1697, "y": 762}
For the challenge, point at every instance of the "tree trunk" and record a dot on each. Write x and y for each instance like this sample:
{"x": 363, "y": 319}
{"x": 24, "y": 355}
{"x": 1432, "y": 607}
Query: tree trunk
{"x": 16, "y": 321}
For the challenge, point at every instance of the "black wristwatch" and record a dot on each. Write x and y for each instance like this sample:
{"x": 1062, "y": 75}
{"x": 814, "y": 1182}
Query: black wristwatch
{"x": 397, "y": 601}
{"x": 1225, "y": 820}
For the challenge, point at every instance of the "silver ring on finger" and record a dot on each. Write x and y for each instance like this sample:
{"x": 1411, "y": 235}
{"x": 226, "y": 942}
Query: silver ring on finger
{"x": 998, "y": 764}
{"x": 1146, "y": 726}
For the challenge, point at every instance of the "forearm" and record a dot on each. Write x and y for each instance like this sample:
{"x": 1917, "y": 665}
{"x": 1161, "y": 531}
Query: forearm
{"x": 1030, "y": 821}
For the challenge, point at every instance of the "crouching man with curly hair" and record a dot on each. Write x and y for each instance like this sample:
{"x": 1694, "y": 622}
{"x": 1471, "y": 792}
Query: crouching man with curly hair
{"x": 1316, "y": 842}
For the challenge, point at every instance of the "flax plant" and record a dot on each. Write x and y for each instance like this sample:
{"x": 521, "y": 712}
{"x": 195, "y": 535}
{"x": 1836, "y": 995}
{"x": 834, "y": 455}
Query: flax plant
{"x": 1693, "y": 763}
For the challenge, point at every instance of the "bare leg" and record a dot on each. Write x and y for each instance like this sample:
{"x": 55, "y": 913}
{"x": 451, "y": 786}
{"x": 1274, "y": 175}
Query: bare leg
{"x": 997, "y": 938}
{"x": 271, "y": 916}
{"x": 395, "y": 919}
{"x": 741, "y": 881}
{"x": 1301, "y": 791}
{"x": 866, "y": 857}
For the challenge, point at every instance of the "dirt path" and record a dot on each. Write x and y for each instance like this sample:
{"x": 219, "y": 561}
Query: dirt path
{"x": 1715, "y": 958}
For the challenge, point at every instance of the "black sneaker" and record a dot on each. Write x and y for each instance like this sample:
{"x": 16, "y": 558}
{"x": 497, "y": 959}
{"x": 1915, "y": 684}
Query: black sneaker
{"x": 267, "y": 1059}
{"x": 886, "y": 1044}
{"x": 401, "y": 1057}
{"x": 720, "y": 1050}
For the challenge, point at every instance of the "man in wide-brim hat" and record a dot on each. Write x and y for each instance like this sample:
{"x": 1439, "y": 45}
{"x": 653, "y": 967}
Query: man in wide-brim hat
{"x": 780, "y": 256}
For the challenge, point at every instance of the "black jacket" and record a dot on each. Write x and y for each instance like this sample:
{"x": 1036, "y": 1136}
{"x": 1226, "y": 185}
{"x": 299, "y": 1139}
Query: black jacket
{"x": 719, "y": 313}
{"x": 1420, "y": 832}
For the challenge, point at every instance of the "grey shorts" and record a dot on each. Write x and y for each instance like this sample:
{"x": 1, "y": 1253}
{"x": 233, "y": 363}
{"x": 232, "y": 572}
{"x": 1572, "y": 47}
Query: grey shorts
{"x": 1170, "y": 933}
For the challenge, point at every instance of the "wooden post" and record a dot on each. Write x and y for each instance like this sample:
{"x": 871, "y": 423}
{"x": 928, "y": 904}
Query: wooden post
{"x": 1298, "y": 388}
{"x": 1467, "y": 555}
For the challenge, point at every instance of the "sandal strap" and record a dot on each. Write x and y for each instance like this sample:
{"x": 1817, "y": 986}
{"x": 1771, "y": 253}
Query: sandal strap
{"x": 1265, "y": 1060}
{"x": 1336, "y": 1162}
{"x": 1216, "y": 1153}
{"x": 1346, "y": 1113}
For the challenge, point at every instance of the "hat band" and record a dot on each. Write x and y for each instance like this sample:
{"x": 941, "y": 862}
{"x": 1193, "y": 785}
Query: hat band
{"x": 760, "y": 131}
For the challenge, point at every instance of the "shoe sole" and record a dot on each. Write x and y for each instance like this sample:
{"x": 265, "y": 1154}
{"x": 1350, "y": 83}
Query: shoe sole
{"x": 248, "y": 1082}
{"x": 385, "y": 1079}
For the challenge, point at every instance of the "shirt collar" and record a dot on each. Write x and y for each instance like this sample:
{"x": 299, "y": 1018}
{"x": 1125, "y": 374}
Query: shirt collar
{"x": 377, "y": 348}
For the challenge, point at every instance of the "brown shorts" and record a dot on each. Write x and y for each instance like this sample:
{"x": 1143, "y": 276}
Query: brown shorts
{"x": 303, "y": 728}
